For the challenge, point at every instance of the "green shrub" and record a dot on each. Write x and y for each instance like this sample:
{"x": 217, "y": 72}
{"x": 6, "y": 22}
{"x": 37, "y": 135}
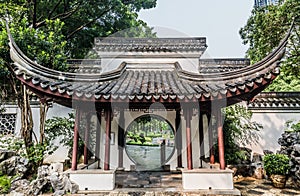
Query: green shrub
{"x": 239, "y": 130}
{"x": 4, "y": 184}
{"x": 277, "y": 164}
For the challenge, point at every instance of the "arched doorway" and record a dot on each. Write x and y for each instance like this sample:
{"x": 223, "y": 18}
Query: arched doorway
{"x": 150, "y": 142}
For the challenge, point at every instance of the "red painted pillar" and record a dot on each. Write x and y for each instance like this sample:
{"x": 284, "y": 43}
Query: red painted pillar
{"x": 188, "y": 117}
{"x": 178, "y": 138}
{"x": 107, "y": 138}
{"x": 210, "y": 140}
{"x": 220, "y": 139}
{"x": 75, "y": 140}
{"x": 86, "y": 139}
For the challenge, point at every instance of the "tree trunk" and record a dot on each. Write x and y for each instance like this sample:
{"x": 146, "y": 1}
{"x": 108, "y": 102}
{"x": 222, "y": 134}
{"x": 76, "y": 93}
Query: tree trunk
{"x": 26, "y": 119}
{"x": 43, "y": 113}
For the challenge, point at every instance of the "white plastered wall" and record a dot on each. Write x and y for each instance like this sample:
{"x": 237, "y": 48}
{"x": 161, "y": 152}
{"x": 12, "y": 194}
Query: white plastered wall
{"x": 273, "y": 122}
{"x": 189, "y": 64}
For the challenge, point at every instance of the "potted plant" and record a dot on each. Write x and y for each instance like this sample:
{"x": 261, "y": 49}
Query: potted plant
{"x": 277, "y": 168}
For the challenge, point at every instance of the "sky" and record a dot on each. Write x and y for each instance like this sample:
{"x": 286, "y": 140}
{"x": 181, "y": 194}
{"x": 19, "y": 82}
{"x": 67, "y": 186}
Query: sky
{"x": 217, "y": 20}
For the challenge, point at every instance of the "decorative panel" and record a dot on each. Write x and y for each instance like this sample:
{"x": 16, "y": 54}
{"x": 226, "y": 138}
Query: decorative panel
{"x": 7, "y": 123}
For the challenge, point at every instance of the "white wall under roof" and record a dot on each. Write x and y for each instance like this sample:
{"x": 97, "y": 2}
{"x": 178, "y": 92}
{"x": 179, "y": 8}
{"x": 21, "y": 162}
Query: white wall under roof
{"x": 273, "y": 122}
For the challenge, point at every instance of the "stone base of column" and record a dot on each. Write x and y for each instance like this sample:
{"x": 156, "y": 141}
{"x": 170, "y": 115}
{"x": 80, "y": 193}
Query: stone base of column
{"x": 93, "y": 179}
{"x": 209, "y": 179}
{"x": 179, "y": 168}
{"x": 120, "y": 169}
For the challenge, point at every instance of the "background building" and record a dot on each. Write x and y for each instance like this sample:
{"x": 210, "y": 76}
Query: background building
{"x": 262, "y": 3}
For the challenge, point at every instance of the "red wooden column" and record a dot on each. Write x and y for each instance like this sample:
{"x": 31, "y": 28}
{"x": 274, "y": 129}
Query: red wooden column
{"x": 107, "y": 138}
{"x": 188, "y": 117}
{"x": 220, "y": 139}
{"x": 75, "y": 140}
{"x": 86, "y": 138}
{"x": 98, "y": 135}
{"x": 178, "y": 138}
{"x": 121, "y": 135}
{"x": 201, "y": 138}
{"x": 210, "y": 140}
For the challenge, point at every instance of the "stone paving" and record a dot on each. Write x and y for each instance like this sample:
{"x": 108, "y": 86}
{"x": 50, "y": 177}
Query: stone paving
{"x": 148, "y": 179}
{"x": 169, "y": 184}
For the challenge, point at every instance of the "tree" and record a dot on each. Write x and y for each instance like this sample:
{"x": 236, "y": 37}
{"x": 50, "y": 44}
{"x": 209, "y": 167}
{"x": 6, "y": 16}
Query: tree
{"x": 239, "y": 130}
{"x": 49, "y": 32}
{"x": 263, "y": 32}
{"x": 84, "y": 20}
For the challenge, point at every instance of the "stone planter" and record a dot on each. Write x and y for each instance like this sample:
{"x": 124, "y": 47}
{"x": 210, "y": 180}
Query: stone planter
{"x": 278, "y": 181}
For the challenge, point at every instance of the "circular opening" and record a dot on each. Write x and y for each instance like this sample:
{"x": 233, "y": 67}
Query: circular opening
{"x": 150, "y": 142}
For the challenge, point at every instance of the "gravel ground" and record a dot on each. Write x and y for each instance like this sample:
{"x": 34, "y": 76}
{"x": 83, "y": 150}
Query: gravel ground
{"x": 251, "y": 186}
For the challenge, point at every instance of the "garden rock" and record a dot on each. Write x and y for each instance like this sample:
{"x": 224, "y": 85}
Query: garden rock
{"x": 6, "y": 154}
{"x": 268, "y": 152}
{"x": 37, "y": 185}
{"x": 8, "y": 166}
{"x": 20, "y": 186}
{"x": 14, "y": 165}
{"x": 46, "y": 177}
{"x": 22, "y": 166}
{"x": 256, "y": 158}
{"x": 62, "y": 184}
{"x": 290, "y": 145}
{"x": 242, "y": 169}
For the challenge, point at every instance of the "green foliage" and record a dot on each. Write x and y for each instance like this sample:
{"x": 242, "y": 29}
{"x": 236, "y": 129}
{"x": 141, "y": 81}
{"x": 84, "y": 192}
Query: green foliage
{"x": 292, "y": 126}
{"x": 47, "y": 46}
{"x": 9, "y": 142}
{"x": 145, "y": 128}
{"x": 62, "y": 128}
{"x": 85, "y": 20}
{"x": 277, "y": 164}
{"x": 263, "y": 32}
{"x": 34, "y": 154}
{"x": 5, "y": 184}
{"x": 238, "y": 130}
{"x": 59, "y": 131}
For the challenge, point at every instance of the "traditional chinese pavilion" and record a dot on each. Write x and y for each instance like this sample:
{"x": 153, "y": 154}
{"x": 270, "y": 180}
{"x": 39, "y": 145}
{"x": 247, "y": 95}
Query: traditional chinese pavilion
{"x": 157, "y": 75}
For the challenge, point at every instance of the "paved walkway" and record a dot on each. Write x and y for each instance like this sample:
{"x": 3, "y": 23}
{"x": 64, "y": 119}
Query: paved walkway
{"x": 169, "y": 184}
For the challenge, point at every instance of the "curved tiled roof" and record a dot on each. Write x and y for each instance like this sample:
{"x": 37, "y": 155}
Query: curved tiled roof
{"x": 148, "y": 85}
{"x": 222, "y": 65}
{"x": 122, "y": 44}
